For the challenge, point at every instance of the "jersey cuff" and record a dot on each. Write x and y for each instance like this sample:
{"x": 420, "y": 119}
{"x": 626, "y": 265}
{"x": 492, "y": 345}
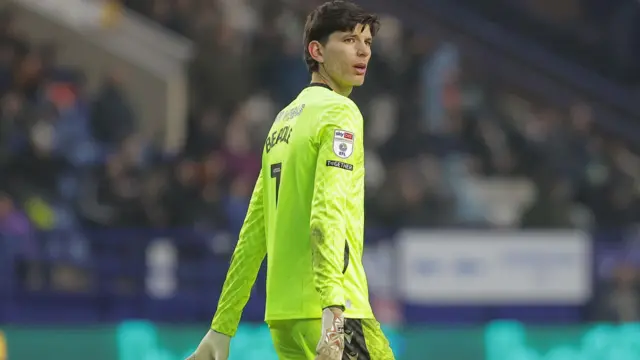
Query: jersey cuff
{"x": 341, "y": 307}
{"x": 336, "y": 299}
{"x": 230, "y": 332}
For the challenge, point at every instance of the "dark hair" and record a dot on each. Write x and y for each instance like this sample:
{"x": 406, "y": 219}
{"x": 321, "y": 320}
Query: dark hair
{"x": 332, "y": 16}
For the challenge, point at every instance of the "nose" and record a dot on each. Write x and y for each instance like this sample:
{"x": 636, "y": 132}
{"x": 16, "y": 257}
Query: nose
{"x": 364, "y": 50}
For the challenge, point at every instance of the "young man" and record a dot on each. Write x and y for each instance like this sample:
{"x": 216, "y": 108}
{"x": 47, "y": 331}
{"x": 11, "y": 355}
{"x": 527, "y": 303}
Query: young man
{"x": 307, "y": 211}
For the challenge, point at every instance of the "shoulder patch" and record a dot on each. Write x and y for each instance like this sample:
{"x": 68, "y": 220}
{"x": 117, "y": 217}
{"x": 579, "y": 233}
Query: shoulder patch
{"x": 343, "y": 143}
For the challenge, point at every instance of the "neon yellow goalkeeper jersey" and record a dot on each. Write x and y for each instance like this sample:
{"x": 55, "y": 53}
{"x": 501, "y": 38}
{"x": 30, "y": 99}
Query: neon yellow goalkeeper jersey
{"x": 306, "y": 215}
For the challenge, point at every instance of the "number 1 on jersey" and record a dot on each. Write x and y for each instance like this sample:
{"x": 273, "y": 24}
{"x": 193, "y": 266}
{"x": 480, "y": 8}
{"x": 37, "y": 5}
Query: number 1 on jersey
{"x": 276, "y": 171}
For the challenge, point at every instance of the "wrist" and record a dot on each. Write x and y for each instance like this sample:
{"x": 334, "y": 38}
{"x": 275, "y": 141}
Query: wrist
{"x": 335, "y": 309}
{"x": 219, "y": 332}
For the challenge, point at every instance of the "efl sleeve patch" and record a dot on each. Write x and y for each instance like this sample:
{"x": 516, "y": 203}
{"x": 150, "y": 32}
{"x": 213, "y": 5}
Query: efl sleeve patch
{"x": 343, "y": 143}
{"x": 340, "y": 165}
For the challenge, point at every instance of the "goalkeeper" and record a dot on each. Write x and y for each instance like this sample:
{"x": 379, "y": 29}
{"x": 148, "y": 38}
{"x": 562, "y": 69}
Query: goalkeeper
{"x": 307, "y": 210}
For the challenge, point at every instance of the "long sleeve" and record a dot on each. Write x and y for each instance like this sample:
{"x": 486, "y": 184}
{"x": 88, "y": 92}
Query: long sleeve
{"x": 245, "y": 264}
{"x": 336, "y": 180}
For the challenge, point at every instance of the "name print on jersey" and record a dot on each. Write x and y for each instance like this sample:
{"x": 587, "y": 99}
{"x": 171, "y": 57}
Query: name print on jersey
{"x": 277, "y": 137}
{"x": 343, "y": 143}
{"x": 284, "y": 133}
{"x": 289, "y": 114}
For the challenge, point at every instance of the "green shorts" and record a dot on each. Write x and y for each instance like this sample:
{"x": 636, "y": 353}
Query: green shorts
{"x": 297, "y": 339}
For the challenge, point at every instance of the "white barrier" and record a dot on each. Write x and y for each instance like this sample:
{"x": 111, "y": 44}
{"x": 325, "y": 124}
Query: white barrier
{"x": 494, "y": 267}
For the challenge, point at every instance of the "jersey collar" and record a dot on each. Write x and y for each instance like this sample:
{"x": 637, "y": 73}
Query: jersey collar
{"x": 321, "y": 85}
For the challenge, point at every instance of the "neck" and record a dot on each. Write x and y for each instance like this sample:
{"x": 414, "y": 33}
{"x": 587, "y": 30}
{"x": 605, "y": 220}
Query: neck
{"x": 323, "y": 78}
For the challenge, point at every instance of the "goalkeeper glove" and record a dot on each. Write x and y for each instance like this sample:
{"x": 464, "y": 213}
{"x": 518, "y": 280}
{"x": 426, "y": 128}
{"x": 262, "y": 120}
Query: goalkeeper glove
{"x": 331, "y": 344}
{"x": 214, "y": 346}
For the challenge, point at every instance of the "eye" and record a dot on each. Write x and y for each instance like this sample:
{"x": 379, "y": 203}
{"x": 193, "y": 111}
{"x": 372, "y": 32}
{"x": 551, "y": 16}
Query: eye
{"x": 350, "y": 40}
{"x": 368, "y": 42}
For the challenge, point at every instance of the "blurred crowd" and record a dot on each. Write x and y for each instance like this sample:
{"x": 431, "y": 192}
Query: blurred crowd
{"x": 434, "y": 124}
{"x": 71, "y": 160}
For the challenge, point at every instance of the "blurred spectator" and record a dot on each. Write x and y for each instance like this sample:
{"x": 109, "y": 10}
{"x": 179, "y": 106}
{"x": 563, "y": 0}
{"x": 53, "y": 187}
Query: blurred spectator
{"x": 608, "y": 191}
{"x": 241, "y": 161}
{"x": 15, "y": 227}
{"x": 218, "y": 72}
{"x": 205, "y": 132}
{"x": 12, "y": 125}
{"x": 112, "y": 118}
{"x": 36, "y": 168}
{"x": 552, "y": 207}
{"x": 112, "y": 194}
{"x": 237, "y": 202}
{"x": 184, "y": 195}
{"x": 620, "y": 299}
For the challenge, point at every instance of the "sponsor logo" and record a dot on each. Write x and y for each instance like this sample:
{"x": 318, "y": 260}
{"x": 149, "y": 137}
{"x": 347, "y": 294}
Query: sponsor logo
{"x": 340, "y": 165}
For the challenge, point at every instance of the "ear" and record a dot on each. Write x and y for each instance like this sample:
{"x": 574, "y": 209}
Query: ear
{"x": 316, "y": 51}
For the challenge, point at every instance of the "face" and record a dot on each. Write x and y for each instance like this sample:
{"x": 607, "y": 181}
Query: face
{"x": 345, "y": 56}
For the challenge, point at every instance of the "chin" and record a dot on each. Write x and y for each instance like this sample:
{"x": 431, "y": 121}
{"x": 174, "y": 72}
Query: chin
{"x": 358, "y": 81}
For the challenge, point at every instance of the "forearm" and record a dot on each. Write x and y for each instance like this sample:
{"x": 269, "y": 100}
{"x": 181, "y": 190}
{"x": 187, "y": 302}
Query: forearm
{"x": 328, "y": 254}
{"x": 245, "y": 264}
{"x": 236, "y": 290}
